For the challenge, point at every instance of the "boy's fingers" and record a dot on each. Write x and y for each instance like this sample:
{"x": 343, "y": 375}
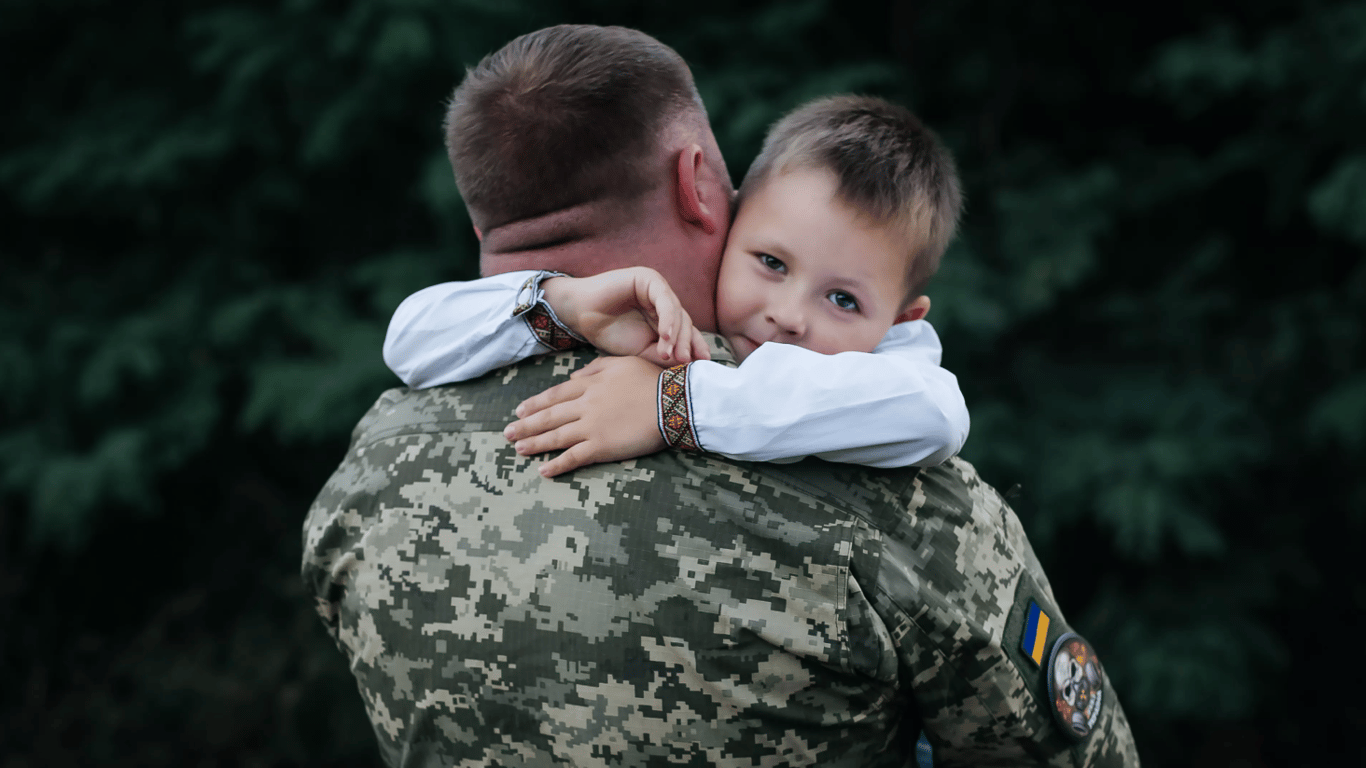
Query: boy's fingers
{"x": 665, "y": 320}
{"x": 560, "y": 393}
{"x": 686, "y": 341}
{"x": 700, "y": 350}
{"x": 554, "y": 440}
{"x": 677, "y": 317}
{"x": 656, "y": 297}
{"x": 587, "y": 370}
{"x": 577, "y": 456}
{"x": 680, "y": 339}
{"x": 652, "y": 354}
{"x": 664, "y": 347}
{"x": 541, "y": 422}
{"x": 668, "y": 329}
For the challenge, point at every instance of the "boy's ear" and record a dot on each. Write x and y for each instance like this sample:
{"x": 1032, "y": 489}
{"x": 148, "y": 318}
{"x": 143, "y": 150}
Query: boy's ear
{"x": 692, "y": 204}
{"x": 478, "y": 235}
{"x": 916, "y": 310}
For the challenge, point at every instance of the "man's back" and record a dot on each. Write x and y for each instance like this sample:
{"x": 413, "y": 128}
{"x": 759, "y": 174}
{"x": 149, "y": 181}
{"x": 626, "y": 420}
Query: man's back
{"x": 675, "y": 609}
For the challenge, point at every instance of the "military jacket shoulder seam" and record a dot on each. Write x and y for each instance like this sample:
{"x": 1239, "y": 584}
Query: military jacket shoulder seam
{"x": 426, "y": 427}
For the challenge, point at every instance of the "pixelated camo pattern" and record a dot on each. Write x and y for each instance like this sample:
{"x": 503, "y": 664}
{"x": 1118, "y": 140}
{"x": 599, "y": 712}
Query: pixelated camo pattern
{"x": 674, "y": 610}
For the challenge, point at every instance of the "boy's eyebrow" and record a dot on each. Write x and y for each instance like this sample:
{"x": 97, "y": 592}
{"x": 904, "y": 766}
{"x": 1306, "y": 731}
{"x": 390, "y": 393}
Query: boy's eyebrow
{"x": 773, "y": 248}
{"x": 863, "y": 289}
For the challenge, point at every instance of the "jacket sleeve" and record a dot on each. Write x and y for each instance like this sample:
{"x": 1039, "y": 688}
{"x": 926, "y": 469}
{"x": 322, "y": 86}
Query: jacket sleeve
{"x": 977, "y": 629}
{"x": 893, "y": 407}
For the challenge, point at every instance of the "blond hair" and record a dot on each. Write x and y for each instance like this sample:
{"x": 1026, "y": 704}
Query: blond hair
{"x": 889, "y": 167}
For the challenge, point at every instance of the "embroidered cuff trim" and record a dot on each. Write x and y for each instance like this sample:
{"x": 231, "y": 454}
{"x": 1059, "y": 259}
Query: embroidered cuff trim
{"x": 675, "y": 409}
{"x": 540, "y": 318}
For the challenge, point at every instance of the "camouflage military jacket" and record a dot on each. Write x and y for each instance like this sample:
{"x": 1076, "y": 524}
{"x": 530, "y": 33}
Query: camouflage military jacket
{"x": 677, "y": 609}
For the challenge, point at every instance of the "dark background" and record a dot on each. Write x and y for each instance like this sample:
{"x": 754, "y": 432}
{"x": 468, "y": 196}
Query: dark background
{"x": 208, "y": 211}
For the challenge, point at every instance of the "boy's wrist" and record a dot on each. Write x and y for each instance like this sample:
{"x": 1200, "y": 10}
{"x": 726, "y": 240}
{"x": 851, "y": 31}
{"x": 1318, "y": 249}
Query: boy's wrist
{"x": 534, "y": 307}
{"x": 559, "y": 293}
{"x": 674, "y": 409}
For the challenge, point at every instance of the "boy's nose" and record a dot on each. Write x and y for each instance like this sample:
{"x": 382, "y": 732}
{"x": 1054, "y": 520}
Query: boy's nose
{"x": 788, "y": 317}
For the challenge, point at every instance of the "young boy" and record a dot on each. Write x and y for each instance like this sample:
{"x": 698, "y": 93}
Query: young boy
{"x": 839, "y": 224}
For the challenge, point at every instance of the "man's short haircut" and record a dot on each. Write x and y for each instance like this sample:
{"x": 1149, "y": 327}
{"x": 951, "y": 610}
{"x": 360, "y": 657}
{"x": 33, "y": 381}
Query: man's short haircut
{"x": 889, "y": 167}
{"x": 562, "y": 116}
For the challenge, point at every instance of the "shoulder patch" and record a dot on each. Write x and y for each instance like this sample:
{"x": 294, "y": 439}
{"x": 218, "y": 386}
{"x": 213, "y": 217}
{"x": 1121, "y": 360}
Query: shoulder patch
{"x": 1075, "y": 685}
{"x": 1034, "y": 638}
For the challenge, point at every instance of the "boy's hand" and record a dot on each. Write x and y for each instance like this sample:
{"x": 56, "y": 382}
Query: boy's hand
{"x": 605, "y": 412}
{"x": 630, "y": 311}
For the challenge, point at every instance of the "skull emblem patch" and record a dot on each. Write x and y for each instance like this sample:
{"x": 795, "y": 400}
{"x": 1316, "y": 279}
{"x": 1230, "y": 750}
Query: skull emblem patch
{"x": 1074, "y": 685}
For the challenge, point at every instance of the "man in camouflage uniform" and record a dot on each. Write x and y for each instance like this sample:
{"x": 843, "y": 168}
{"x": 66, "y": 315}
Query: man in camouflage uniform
{"x": 677, "y": 609}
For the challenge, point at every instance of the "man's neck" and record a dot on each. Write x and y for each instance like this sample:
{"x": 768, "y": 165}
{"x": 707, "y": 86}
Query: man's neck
{"x": 547, "y": 231}
{"x": 595, "y": 237}
{"x": 583, "y": 238}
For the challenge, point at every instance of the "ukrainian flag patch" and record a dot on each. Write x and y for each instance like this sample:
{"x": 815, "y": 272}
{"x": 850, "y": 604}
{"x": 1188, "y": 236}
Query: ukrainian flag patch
{"x": 1035, "y": 633}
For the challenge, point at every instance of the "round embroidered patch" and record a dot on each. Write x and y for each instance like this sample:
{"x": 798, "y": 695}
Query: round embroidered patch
{"x": 1074, "y": 685}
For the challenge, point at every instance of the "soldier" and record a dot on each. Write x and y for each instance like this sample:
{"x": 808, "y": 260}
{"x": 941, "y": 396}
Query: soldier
{"x": 680, "y": 608}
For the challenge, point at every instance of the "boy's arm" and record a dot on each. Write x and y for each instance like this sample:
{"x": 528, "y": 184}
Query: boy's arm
{"x": 894, "y": 407}
{"x": 628, "y": 311}
{"x": 459, "y": 331}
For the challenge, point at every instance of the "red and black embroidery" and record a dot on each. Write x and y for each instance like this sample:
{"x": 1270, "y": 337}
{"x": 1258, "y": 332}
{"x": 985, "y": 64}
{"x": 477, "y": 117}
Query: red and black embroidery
{"x": 540, "y": 318}
{"x": 548, "y": 329}
{"x": 675, "y": 410}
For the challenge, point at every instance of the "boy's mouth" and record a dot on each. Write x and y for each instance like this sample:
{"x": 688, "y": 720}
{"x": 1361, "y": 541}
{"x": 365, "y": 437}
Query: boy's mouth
{"x": 742, "y": 346}
{"x": 750, "y": 344}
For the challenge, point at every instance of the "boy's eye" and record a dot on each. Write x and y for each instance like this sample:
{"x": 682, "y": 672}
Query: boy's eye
{"x": 843, "y": 300}
{"x": 772, "y": 262}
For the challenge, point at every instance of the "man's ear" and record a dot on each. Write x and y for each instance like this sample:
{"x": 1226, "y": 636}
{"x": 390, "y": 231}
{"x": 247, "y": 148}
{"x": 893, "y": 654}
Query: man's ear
{"x": 916, "y": 310}
{"x": 478, "y": 235}
{"x": 692, "y": 204}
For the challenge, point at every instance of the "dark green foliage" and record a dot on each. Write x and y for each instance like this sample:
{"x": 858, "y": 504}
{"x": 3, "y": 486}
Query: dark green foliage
{"x": 1155, "y": 309}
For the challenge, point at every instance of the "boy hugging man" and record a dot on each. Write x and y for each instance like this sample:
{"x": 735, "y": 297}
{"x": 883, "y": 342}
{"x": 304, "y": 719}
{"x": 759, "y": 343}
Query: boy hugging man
{"x": 840, "y": 223}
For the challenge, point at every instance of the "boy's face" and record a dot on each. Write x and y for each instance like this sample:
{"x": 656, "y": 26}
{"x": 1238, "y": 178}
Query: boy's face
{"x": 801, "y": 268}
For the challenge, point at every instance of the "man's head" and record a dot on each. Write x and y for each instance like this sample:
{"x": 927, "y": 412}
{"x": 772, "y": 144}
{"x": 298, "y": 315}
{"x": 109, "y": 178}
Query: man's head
{"x": 587, "y": 148}
{"x": 841, "y": 221}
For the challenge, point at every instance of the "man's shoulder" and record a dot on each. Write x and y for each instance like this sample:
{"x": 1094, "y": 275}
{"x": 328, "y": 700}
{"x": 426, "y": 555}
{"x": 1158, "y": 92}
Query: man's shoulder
{"x": 485, "y": 403}
{"x": 953, "y": 488}
{"x": 885, "y": 498}
{"x": 478, "y": 405}
{"x": 940, "y": 531}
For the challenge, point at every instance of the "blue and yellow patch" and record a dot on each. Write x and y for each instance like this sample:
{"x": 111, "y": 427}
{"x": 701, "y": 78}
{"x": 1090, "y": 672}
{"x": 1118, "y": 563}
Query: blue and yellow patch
{"x": 1035, "y": 635}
